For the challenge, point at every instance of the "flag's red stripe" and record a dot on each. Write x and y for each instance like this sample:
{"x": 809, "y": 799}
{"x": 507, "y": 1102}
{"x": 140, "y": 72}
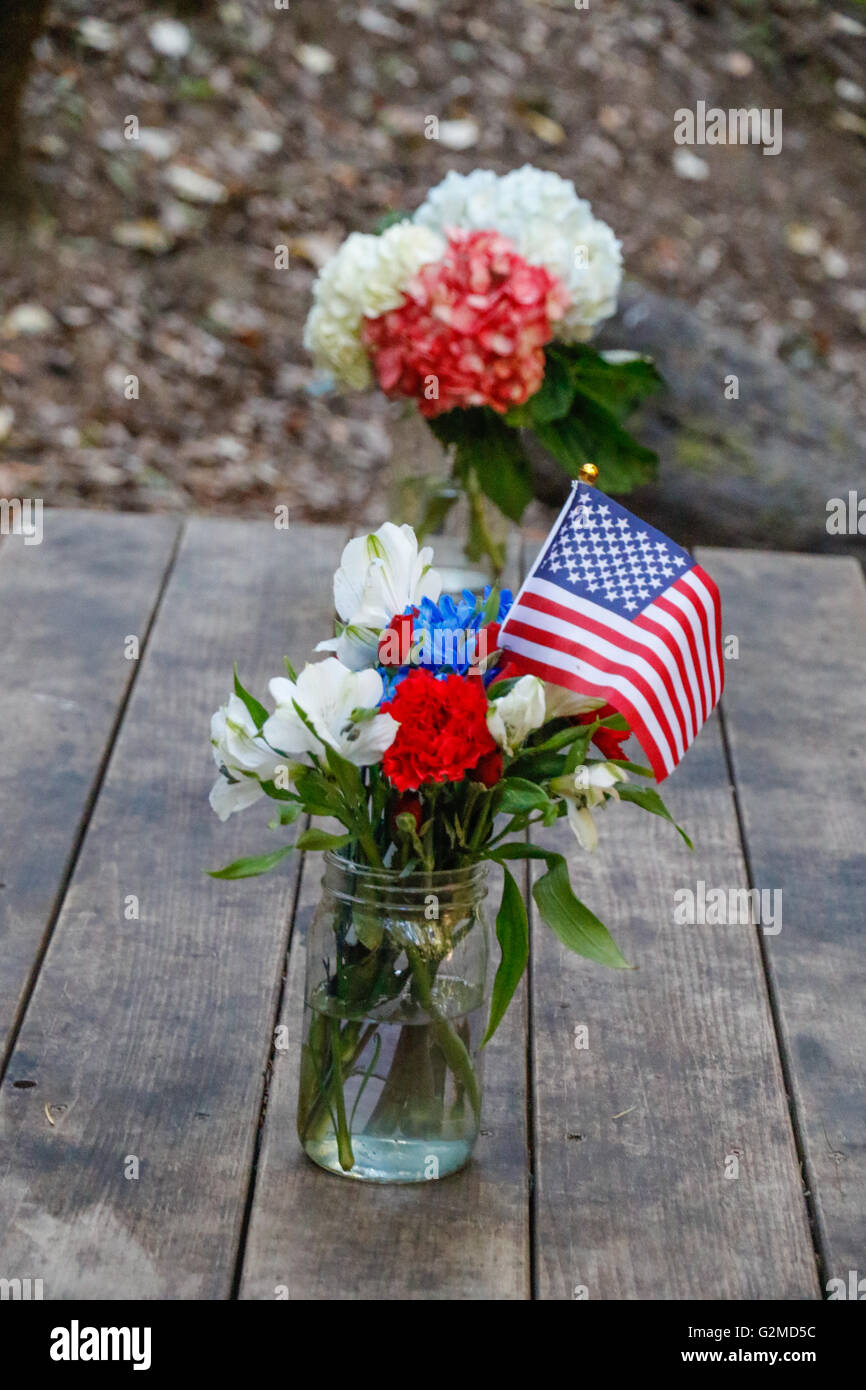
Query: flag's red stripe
{"x": 716, "y": 604}
{"x": 648, "y": 623}
{"x": 686, "y": 591}
{"x": 679, "y": 617}
{"x": 557, "y": 676}
{"x": 539, "y": 638}
{"x": 581, "y": 621}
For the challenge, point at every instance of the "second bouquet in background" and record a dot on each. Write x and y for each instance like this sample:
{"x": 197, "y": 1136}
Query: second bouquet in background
{"x": 476, "y": 311}
{"x": 429, "y": 754}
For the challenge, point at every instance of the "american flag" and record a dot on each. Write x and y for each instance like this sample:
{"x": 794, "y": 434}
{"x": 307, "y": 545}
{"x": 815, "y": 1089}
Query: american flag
{"x": 614, "y": 609}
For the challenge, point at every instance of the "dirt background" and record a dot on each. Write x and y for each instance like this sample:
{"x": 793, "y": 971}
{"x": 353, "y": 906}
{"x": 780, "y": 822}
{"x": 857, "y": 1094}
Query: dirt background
{"x": 155, "y": 257}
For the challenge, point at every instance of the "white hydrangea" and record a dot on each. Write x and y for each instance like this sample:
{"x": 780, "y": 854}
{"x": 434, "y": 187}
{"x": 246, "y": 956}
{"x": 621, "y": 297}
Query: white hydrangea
{"x": 548, "y": 225}
{"x": 367, "y": 277}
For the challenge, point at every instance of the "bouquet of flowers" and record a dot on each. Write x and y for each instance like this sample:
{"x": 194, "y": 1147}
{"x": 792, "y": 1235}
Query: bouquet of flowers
{"x": 477, "y": 310}
{"x": 434, "y": 755}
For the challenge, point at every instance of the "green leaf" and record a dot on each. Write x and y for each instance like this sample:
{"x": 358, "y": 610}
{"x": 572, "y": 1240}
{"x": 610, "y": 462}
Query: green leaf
{"x": 320, "y": 797}
{"x": 519, "y": 794}
{"x": 540, "y": 766}
{"x": 591, "y": 434}
{"x": 347, "y": 777}
{"x": 613, "y": 721}
{"x": 553, "y": 399}
{"x": 436, "y": 510}
{"x": 485, "y": 443}
{"x": 500, "y": 688}
{"x": 617, "y": 385}
{"x": 521, "y": 850}
{"x": 512, "y": 933}
{"x": 314, "y": 838}
{"x": 253, "y": 866}
{"x": 491, "y": 607}
{"x": 389, "y": 219}
{"x": 649, "y": 799}
{"x": 577, "y": 928}
{"x": 257, "y": 711}
{"x": 519, "y": 417}
{"x": 277, "y": 793}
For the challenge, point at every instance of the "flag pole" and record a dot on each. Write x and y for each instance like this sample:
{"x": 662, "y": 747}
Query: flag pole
{"x": 588, "y": 474}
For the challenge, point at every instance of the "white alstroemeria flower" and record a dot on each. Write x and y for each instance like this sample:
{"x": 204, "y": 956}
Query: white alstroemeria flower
{"x": 238, "y": 749}
{"x": 328, "y": 692}
{"x": 562, "y": 703}
{"x": 379, "y": 576}
{"x": 588, "y": 786}
{"x": 513, "y": 718}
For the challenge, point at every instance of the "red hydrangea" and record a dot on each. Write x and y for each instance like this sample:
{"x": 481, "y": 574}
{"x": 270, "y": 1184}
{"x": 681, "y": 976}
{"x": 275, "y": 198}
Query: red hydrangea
{"x": 443, "y": 730}
{"x": 475, "y": 323}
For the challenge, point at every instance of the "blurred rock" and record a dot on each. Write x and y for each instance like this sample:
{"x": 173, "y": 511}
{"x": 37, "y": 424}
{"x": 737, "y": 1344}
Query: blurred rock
{"x": 754, "y": 471}
{"x": 27, "y": 320}
{"x": 170, "y": 38}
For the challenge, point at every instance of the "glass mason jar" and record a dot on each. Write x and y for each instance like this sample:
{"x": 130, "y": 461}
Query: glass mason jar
{"x": 395, "y": 1011}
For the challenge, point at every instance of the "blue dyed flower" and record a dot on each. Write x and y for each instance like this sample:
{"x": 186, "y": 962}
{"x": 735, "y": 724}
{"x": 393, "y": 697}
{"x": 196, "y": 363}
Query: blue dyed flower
{"x": 444, "y": 636}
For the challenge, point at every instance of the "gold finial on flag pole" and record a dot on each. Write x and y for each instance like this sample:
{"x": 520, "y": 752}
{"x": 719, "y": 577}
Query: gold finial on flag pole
{"x": 588, "y": 474}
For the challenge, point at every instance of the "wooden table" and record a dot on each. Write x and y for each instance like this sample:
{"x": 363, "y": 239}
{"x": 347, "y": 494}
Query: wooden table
{"x": 139, "y": 998}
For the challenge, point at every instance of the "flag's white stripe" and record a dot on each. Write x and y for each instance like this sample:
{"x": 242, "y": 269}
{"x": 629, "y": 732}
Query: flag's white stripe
{"x": 574, "y": 631}
{"x": 686, "y": 605}
{"x": 675, "y": 628}
{"x": 616, "y": 624}
{"x": 602, "y": 680}
{"x": 695, "y": 581}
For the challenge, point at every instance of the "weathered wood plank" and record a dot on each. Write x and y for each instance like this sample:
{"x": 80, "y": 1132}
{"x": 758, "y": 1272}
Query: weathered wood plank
{"x": 323, "y": 1237}
{"x": 149, "y": 1037}
{"x": 795, "y": 716}
{"x": 681, "y": 1074}
{"x": 66, "y": 607}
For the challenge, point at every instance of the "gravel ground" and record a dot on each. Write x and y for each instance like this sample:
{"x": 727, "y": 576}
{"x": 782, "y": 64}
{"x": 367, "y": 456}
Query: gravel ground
{"x": 153, "y": 259}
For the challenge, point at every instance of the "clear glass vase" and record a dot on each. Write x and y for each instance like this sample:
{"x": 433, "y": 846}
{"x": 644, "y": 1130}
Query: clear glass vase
{"x": 468, "y": 533}
{"x": 395, "y": 1010}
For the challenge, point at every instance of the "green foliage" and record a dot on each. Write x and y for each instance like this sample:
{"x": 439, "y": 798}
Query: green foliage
{"x": 578, "y": 415}
{"x": 512, "y": 933}
{"x": 254, "y": 865}
{"x": 484, "y": 444}
{"x": 256, "y": 710}
{"x": 649, "y": 799}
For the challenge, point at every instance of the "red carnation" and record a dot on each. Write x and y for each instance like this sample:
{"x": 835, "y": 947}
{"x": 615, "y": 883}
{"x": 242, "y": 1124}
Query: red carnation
{"x": 488, "y": 769}
{"x": 443, "y": 730}
{"x": 474, "y": 323}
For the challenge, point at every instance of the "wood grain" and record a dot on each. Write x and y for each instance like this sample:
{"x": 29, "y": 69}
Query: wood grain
{"x": 681, "y": 1073}
{"x": 150, "y": 1037}
{"x": 66, "y": 608}
{"x": 795, "y": 714}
